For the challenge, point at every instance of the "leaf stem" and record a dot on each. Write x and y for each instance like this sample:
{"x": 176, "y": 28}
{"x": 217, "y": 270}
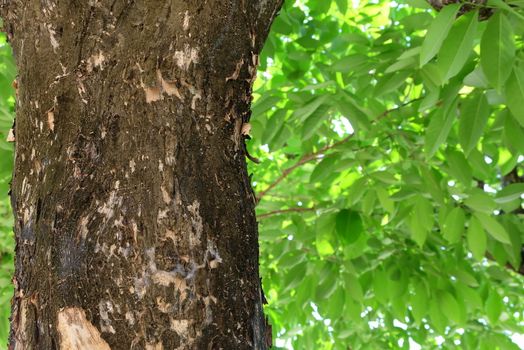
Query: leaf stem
{"x": 284, "y": 211}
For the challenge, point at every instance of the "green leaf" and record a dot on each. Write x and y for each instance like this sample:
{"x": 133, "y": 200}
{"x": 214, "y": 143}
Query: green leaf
{"x": 431, "y": 184}
{"x": 390, "y": 82}
{"x": 436, "y": 315}
{"x": 507, "y": 164}
{"x": 513, "y": 135}
{"x": 480, "y": 168}
{"x": 335, "y": 308}
{"x": 469, "y": 295}
{"x": 295, "y": 276}
{"x": 398, "y": 282}
{"x": 380, "y": 286}
{"x": 459, "y": 167}
{"x": 323, "y": 169}
{"x": 476, "y": 79}
{"x": 431, "y": 75}
{"x": 494, "y": 306}
{"x": 437, "y": 32}
{"x": 291, "y": 259}
{"x": 348, "y": 107}
{"x": 418, "y": 233}
{"x": 349, "y": 226}
{"x": 473, "y": 118}
{"x": 401, "y": 64}
{"x": 421, "y": 220}
{"x": 273, "y": 125}
{"x": 342, "y": 6}
{"x": 413, "y": 52}
{"x": 439, "y": 128}
{"x": 493, "y": 227}
{"x": 264, "y": 104}
{"x": 510, "y": 193}
{"x": 457, "y": 47}
{"x": 479, "y": 200}
{"x": 466, "y": 277}
{"x": 357, "y": 190}
{"x": 515, "y": 94}
{"x": 324, "y": 228}
{"x": 497, "y": 50}
{"x": 385, "y": 200}
{"x": 354, "y": 288}
{"x": 454, "y": 225}
{"x": 312, "y": 123}
{"x": 280, "y": 138}
{"x": 305, "y": 111}
{"x": 419, "y": 301}
{"x": 319, "y": 7}
{"x": 328, "y": 286}
{"x": 324, "y": 248}
{"x": 429, "y": 100}
{"x": 353, "y": 310}
{"x": 515, "y": 250}
{"x": 477, "y": 240}
{"x": 419, "y": 4}
{"x": 351, "y": 64}
{"x": 368, "y": 203}
{"x": 450, "y": 307}
{"x": 385, "y": 177}
{"x": 502, "y": 5}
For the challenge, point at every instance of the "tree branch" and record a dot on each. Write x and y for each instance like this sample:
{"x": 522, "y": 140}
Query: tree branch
{"x": 484, "y": 10}
{"x": 315, "y": 155}
{"x": 284, "y": 211}
{"x": 303, "y": 160}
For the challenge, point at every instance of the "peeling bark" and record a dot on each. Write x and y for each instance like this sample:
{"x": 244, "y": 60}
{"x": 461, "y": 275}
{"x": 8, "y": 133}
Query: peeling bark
{"x": 134, "y": 215}
{"x": 76, "y": 332}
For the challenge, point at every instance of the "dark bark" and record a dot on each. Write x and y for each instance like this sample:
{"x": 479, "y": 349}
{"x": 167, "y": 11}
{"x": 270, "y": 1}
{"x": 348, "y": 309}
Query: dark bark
{"x": 485, "y": 12}
{"x": 134, "y": 215}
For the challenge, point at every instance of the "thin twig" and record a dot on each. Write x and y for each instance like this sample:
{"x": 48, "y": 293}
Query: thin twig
{"x": 388, "y": 111}
{"x": 284, "y": 211}
{"x": 303, "y": 160}
{"x": 315, "y": 155}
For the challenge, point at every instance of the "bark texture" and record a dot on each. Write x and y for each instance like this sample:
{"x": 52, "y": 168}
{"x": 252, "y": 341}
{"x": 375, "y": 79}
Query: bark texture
{"x": 134, "y": 215}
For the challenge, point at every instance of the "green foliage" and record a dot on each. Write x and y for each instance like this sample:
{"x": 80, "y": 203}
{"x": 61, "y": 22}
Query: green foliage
{"x": 7, "y": 74}
{"x": 399, "y": 135}
{"x": 497, "y": 50}
{"x": 437, "y": 32}
{"x": 6, "y": 268}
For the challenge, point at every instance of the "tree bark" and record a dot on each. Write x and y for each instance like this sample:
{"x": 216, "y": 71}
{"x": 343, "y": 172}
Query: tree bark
{"x": 134, "y": 215}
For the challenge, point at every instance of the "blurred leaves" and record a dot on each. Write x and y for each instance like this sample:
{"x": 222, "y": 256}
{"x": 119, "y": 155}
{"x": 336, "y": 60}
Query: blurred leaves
{"x": 7, "y": 75}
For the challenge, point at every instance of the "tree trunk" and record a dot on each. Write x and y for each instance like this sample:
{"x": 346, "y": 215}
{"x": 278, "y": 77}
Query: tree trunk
{"x": 134, "y": 215}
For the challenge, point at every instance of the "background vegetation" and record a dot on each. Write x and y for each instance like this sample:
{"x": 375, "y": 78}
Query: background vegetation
{"x": 391, "y": 146}
{"x": 7, "y": 102}
{"x": 390, "y": 183}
